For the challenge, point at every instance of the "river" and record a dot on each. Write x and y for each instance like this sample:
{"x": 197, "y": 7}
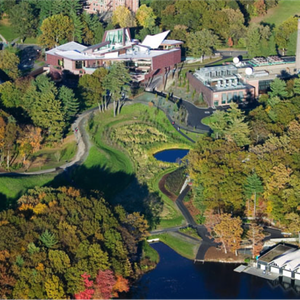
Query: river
{"x": 176, "y": 277}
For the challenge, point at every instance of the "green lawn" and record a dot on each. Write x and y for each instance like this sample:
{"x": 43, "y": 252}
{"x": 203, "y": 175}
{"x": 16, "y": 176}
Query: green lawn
{"x": 6, "y": 31}
{"x": 208, "y": 120}
{"x": 284, "y": 10}
{"x": 179, "y": 244}
{"x": 11, "y": 188}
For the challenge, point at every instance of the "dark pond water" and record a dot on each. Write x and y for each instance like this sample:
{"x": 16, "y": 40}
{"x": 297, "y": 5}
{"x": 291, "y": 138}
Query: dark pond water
{"x": 176, "y": 277}
{"x": 171, "y": 155}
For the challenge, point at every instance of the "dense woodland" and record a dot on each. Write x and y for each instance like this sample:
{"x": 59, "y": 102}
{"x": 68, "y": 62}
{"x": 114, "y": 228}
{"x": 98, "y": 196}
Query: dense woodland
{"x": 60, "y": 243}
{"x": 250, "y": 165}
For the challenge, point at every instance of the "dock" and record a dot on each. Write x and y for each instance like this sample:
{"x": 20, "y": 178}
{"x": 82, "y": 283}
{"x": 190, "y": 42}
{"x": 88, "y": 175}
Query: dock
{"x": 256, "y": 272}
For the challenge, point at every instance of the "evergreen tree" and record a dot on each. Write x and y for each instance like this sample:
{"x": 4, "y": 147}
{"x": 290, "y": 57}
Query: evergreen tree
{"x": 278, "y": 88}
{"x": 78, "y": 27}
{"x": 69, "y": 103}
{"x": 48, "y": 239}
{"x": 253, "y": 187}
{"x": 297, "y": 86}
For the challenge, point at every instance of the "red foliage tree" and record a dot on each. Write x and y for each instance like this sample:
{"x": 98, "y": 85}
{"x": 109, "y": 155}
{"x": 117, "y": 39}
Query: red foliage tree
{"x": 104, "y": 285}
{"x": 87, "y": 293}
{"x": 230, "y": 42}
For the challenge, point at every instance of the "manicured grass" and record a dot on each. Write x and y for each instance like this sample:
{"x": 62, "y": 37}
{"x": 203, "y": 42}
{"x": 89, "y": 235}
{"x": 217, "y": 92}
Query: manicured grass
{"x": 208, "y": 120}
{"x": 6, "y": 30}
{"x": 105, "y": 169}
{"x": 191, "y": 232}
{"x": 11, "y": 188}
{"x": 284, "y": 10}
{"x": 178, "y": 244}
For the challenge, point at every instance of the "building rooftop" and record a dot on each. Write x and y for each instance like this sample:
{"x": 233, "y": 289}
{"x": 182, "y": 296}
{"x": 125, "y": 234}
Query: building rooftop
{"x": 171, "y": 42}
{"x": 276, "y": 252}
{"x": 154, "y": 41}
{"x": 71, "y": 46}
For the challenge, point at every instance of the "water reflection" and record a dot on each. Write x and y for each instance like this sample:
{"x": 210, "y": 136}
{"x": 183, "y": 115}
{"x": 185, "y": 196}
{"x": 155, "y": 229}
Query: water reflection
{"x": 176, "y": 277}
{"x": 171, "y": 155}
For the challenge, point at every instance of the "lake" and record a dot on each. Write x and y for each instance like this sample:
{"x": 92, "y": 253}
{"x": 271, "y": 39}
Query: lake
{"x": 171, "y": 155}
{"x": 176, "y": 277}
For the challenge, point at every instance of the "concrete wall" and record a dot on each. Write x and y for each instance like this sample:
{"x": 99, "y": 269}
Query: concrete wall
{"x": 69, "y": 65}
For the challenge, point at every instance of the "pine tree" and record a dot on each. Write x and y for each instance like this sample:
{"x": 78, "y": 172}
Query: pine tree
{"x": 297, "y": 86}
{"x": 48, "y": 239}
{"x": 70, "y": 104}
{"x": 78, "y": 27}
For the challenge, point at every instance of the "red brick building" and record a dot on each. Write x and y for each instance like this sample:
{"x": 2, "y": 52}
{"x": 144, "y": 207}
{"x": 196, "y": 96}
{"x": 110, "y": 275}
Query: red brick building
{"x": 102, "y": 6}
{"x": 144, "y": 60}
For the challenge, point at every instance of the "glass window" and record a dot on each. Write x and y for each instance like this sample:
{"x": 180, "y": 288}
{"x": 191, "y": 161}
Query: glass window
{"x": 229, "y": 97}
{"x": 78, "y": 64}
{"x": 241, "y": 95}
{"x": 216, "y": 103}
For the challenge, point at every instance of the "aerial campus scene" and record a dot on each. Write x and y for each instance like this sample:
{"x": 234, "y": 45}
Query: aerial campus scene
{"x": 149, "y": 149}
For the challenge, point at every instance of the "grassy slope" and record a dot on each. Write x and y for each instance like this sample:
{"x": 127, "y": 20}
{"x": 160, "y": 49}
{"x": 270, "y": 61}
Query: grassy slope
{"x": 178, "y": 244}
{"x": 12, "y": 188}
{"x": 284, "y": 10}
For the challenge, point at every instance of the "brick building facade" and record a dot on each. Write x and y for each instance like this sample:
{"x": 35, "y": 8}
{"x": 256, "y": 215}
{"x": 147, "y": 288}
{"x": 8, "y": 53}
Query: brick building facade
{"x": 102, "y": 6}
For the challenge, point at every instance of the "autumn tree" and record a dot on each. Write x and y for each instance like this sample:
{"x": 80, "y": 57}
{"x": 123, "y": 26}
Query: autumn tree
{"x": 294, "y": 223}
{"x": 123, "y": 17}
{"x": 145, "y": 16}
{"x": 229, "y": 232}
{"x": 256, "y": 236}
{"x": 55, "y": 31}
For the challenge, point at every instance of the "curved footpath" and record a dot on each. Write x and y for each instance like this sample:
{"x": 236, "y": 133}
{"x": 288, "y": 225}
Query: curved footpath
{"x": 83, "y": 149}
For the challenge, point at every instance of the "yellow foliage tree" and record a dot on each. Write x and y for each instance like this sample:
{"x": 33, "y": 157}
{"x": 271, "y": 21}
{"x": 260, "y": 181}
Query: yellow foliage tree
{"x": 55, "y": 30}
{"x": 145, "y": 16}
{"x": 54, "y": 288}
{"x": 40, "y": 208}
{"x": 123, "y": 17}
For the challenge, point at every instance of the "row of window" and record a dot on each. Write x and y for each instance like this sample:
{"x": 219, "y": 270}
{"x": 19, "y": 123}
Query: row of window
{"x": 228, "y": 97}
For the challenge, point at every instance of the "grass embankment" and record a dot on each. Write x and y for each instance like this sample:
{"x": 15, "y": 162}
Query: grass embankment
{"x": 170, "y": 216}
{"x": 280, "y": 13}
{"x": 182, "y": 245}
{"x": 11, "y": 188}
{"x": 124, "y": 148}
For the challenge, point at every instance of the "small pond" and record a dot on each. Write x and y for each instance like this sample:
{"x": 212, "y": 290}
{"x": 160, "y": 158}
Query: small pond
{"x": 171, "y": 155}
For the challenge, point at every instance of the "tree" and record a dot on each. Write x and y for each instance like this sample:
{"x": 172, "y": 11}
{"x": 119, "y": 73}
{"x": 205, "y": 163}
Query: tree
{"x": 59, "y": 260}
{"x": 54, "y": 288}
{"x": 92, "y": 88}
{"x": 296, "y": 89}
{"x": 145, "y": 16}
{"x": 229, "y": 232}
{"x": 88, "y": 292}
{"x": 77, "y": 27}
{"x": 105, "y": 282}
{"x": 256, "y": 236}
{"x": 253, "y": 187}
{"x": 117, "y": 82}
{"x": 9, "y": 64}
{"x": 55, "y": 31}
{"x": 24, "y": 20}
{"x": 69, "y": 102}
{"x": 48, "y": 239}
{"x": 202, "y": 43}
{"x": 123, "y": 17}
{"x": 278, "y": 88}
{"x": 284, "y": 31}
{"x": 294, "y": 223}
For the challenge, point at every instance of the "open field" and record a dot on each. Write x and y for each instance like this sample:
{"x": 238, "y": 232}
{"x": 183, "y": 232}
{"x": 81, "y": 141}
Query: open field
{"x": 280, "y": 13}
{"x": 180, "y": 244}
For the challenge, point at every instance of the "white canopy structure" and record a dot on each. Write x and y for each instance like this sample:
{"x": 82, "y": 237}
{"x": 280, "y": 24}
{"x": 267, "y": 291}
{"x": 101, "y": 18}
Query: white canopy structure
{"x": 154, "y": 41}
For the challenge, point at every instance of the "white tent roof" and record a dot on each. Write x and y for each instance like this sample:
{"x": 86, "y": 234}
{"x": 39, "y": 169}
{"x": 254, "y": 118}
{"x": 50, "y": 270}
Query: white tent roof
{"x": 287, "y": 258}
{"x": 293, "y": 264}
{"x": 154, "y": 41}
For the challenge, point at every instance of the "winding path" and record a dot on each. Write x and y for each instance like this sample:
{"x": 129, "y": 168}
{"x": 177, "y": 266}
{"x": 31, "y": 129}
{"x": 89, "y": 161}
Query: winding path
{"x": 83, "y": 149}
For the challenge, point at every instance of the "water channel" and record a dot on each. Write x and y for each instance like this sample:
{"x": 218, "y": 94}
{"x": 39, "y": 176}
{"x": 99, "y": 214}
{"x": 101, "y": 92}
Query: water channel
{"x": 171, "y": 155}
{"x": 176, "y": 277}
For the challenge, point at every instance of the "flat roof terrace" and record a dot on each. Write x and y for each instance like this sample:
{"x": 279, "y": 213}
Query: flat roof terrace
{"x": 275, "y": 252}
